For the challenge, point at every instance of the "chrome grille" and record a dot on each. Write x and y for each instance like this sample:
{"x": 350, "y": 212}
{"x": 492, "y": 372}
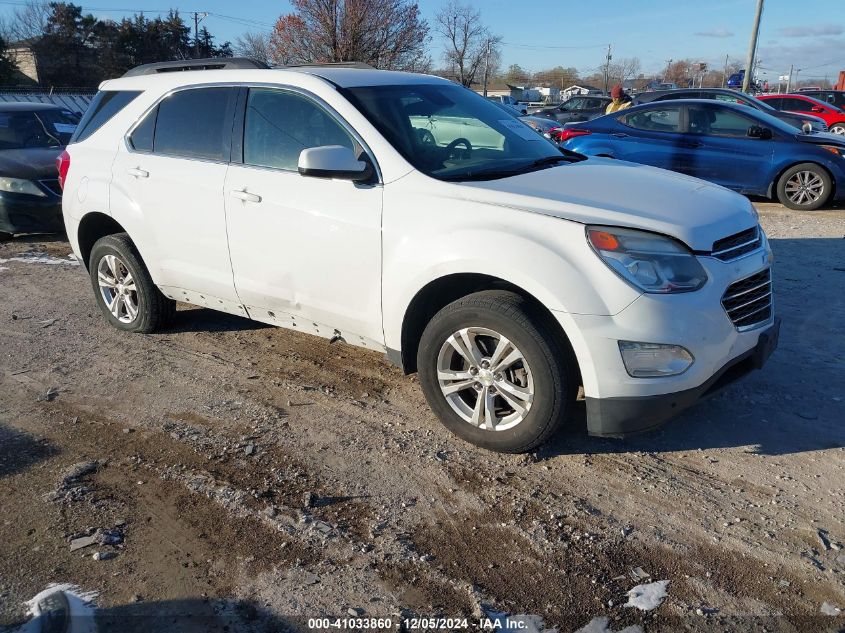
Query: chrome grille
{"x": 52, "y": 185}
{"x": 748, "y": 301}
{"x": 737, "y": 245}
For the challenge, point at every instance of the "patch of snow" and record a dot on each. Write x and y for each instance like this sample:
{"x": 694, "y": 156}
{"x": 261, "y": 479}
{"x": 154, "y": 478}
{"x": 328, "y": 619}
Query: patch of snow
{"x": 830, "y": 609}
{"x": 41, "y": 258}
{"x": 647, "y": 597}
{"x": 601, "y": 625}
{"x": 80, "y": 604}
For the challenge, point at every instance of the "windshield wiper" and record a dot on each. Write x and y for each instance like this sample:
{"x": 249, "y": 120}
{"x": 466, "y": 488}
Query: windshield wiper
{"x": 492, "y": 174}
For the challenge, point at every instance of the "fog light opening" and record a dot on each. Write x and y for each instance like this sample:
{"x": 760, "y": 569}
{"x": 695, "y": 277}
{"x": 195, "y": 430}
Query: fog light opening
{"x": 654, "y": 360}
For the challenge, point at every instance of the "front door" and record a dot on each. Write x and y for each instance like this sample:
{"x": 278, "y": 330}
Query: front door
{"x": 306, "y": 252}
{"x": 723, "y": 153}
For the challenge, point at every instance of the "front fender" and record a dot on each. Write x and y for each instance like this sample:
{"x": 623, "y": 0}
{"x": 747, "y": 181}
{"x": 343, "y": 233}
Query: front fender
{"x": 440, "y": 235}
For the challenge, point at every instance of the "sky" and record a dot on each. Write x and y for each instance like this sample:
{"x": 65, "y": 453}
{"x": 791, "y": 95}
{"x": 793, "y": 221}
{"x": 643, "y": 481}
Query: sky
{"x": 541, "y": 34}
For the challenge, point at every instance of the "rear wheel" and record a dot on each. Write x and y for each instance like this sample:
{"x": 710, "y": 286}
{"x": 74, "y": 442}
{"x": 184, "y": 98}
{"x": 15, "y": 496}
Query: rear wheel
{"x": 494, "y": 373}
{"x": 124, "y": 290}
{"x": 837, "y": 128}
{"x": 804, "y": 187}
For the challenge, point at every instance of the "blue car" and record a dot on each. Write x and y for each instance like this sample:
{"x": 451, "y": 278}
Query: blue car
{"x": 731, "y": 145}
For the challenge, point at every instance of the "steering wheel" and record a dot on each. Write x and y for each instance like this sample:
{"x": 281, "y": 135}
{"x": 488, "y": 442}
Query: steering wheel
{"x": 454, "y": 144}
{"x": 426, "y": 137}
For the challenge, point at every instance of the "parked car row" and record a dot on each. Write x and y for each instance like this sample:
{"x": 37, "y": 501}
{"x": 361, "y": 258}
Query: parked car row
{"x": 32, "y": 135}
{"x": 743, "y": 148}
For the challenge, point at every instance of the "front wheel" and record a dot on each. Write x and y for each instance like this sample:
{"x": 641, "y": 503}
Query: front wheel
{"x": 125, "y": 292}
{"x": 804, "y": 187}
{"x": 837, "y": 128}
{"x": 495, "y": 372}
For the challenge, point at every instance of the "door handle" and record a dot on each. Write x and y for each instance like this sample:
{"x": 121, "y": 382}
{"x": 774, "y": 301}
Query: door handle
{"x": 691, "y": 145}
{"x": 246, "y": 196}
{"x": 138, "y": 172}
{"x": 619, "y": 135}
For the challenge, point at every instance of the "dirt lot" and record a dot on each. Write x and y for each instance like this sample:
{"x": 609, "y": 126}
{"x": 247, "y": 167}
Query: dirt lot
{"x": 255, "y": 477}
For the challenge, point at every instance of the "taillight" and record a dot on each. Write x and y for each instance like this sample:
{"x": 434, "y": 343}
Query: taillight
{"x": 63, "y": 164}
{"x": 571, "y": 132}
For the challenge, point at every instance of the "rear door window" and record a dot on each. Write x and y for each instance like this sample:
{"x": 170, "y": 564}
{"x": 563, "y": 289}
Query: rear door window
{"x": 657, "y": 120}
{"x": 196, "y": 123}
{"x": 102, "y": 108}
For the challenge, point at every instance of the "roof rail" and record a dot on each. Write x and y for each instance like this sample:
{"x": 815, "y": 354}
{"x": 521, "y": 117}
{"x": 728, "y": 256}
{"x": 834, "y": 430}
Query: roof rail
{"x": 360, "y": 65}
{"x": 215, "y": 63}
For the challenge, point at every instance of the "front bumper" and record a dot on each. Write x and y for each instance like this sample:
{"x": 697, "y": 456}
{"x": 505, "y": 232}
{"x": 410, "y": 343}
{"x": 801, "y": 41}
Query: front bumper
{"x": 30, "y": 214}
{"x": 619, "y": 417}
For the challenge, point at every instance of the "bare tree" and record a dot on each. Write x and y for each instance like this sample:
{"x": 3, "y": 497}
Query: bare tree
{"x": 469, "y": 44}
{"x": 255, "y": 45}
{"x": 28, "y": 21}
{"x": 383, "y": 33}
{"x": 625, "y": 69}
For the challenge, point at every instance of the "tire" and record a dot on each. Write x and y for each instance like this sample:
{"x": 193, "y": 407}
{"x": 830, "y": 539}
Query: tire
{"x": 837, "y": 128}
{"x": 547, "y": 370}
{"x": 152, "y": 310}
{"x": 5, "y": 237}
{"x": 815, "y": 181}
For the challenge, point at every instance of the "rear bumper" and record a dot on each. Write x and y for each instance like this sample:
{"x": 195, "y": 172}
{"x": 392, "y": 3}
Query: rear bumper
{"x": 624, "y": 416}
{"x": 30, "y": 214}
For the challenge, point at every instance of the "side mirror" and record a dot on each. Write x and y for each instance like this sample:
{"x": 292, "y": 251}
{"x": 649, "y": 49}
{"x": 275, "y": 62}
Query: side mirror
{"x": 333, "y": 161}
{"x": 758, "y": 131}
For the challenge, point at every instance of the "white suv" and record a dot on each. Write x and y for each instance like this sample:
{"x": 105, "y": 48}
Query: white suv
{"x": 404, "y": 213}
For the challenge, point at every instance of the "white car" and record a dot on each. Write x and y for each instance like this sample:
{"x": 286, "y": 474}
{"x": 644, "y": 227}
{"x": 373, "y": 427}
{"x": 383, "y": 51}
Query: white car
{"x": 406, "y": 214}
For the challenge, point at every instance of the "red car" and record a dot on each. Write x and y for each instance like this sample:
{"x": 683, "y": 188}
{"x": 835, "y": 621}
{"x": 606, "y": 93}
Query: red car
{"x": 834, "y": 117}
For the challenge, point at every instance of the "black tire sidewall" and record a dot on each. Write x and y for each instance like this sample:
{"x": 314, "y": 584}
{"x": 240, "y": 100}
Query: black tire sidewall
{"x": 781, "y": 187}
{"x": 547, "y": 409}
{"x": 123, "y": 249}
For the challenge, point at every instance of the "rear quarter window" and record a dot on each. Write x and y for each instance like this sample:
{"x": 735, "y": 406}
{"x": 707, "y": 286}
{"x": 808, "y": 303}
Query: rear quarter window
{"x": 103, "y": 107}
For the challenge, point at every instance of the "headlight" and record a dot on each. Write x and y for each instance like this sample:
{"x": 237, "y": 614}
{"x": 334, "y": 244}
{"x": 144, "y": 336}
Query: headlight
{"x": 648, "y": 261}
{"x": 16, "y": 185}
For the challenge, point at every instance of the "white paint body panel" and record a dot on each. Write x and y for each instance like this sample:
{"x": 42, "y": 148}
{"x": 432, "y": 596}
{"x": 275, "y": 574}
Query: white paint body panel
{"x": 331, "y": 257}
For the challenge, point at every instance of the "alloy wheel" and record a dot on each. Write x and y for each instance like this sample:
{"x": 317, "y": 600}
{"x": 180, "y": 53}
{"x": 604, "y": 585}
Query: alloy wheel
{"x": 485, "y": 378}
{"x": 804, "y": 187}
{"x": 117, "y": 288}
{"x": 838, "y": 129}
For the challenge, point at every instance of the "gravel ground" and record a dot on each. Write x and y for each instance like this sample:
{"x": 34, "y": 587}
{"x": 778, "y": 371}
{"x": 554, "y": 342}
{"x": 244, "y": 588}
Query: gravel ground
{"x": 224, "y": 475}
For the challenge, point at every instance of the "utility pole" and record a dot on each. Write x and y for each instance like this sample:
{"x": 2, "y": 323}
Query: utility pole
{"x": 198, "y": 17}
{"x": 789, "y": 79}
{"x": 725, "y": 72}
{"x": 607, "y": 70}
{"x": 752, "y": 48}
{"x": 486, "y": 64}
{"x": 668, "y": 66}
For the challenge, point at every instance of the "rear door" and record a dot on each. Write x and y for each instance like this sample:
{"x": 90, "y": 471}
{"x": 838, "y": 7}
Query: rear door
{"x": 169, "y": 177}
{"x": 720, "y": 150}
{"x": 652, "y": 137}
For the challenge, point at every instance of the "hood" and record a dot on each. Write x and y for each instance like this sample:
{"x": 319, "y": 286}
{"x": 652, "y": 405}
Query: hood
{"x": 36, "y": 163}
{"x": 618, "y": 193}
{"x": 822, "y": 138}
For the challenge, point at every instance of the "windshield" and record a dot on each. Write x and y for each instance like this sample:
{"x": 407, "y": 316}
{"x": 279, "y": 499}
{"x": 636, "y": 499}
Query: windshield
{"x": 36, "y": 128}
{"x": 452, "y": 133}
